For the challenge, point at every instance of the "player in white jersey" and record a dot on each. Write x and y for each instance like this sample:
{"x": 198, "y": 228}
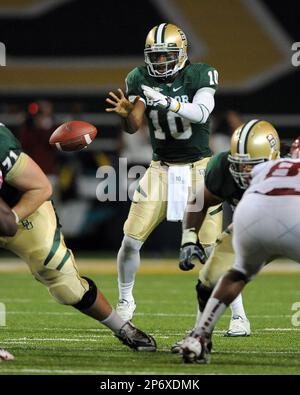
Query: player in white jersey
{"x": 266, "y": 225}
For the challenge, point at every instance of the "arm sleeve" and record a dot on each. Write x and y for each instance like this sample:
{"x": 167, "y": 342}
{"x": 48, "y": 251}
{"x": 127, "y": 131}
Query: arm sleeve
{"x": 200, "y": 109}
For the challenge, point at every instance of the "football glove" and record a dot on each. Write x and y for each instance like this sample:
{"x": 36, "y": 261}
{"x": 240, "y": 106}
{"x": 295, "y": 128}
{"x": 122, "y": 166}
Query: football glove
{"x": 161, "y": 100}
{"x": 188, "y": 253}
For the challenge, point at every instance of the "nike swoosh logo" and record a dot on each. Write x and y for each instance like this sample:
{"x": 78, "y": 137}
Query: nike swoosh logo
{"x": 177, "y": 89}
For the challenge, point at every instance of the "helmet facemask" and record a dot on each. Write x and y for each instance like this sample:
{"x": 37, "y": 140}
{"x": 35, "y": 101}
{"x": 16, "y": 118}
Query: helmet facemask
{"x": 164, "y": 62}
{"x": 241, "y": 167}
{"x": 165, "y": 51}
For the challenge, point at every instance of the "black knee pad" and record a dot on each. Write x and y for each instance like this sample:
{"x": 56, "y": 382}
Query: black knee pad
{"x": 89, "y": 297}
{"x": 203, "y": 294}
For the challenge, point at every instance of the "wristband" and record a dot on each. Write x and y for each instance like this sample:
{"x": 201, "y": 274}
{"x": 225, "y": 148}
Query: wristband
{"x": 189, "y": 236}
{"x": 174, "y": 104}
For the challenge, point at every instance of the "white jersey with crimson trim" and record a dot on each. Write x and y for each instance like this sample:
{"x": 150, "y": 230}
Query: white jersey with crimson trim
{"x": 278, "y": 177}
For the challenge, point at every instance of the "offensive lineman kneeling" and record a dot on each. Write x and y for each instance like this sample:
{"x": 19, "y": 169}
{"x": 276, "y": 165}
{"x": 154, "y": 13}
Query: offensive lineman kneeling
{"x": 225, "y": 180}
{"x": 266, "y": 225}
{"x": 40, "y": 243}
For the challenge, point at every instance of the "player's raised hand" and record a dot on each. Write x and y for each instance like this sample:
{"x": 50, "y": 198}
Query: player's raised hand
{"x": 160, "y": 100}
{"x": 157, "y": 98}
{"x": 120, "y": 104}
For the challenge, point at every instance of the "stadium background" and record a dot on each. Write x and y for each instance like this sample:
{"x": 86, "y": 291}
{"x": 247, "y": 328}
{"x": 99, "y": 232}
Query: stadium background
{"x": 63, "y": 57}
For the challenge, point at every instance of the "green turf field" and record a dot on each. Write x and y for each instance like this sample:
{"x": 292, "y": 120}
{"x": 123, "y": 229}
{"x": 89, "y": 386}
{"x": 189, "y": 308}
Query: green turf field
{"x": 47, "y": 338}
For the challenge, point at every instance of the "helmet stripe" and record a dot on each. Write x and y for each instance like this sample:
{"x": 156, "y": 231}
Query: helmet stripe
{"x": 159, "y": 33}
{"x": 155, "y": 35}
{"x": 163, "y": 33}
{"x": 243, "y": 138}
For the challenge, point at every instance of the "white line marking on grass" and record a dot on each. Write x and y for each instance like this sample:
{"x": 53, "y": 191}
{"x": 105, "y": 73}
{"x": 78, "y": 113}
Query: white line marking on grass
{"x": 280, "y": 329}
{"x": 144, "y": 314}
{"x": 29, "y": 340}
{"x": 101, "y": 329}
{"x": 256, "y": 352}
{"x": 96, "y": 338}
{"x": 104, "y": 330}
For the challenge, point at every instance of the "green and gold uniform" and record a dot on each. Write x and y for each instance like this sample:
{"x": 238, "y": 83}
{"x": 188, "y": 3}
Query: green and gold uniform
{"x": 38, "y": 241}
{"x": 219, "y": 181}
{"x": 174, "y": 140}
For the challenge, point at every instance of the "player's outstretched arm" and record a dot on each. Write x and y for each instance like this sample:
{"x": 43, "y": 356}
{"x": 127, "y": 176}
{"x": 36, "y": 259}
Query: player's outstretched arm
{"x": 194, "y": 219}
{"x": 8, "y": 224}
{"x": 132, "y": 113}
{"x": 34, "y": 184}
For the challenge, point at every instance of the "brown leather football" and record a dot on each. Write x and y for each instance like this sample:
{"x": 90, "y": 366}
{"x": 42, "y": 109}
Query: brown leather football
{"x": 73, "y": 136}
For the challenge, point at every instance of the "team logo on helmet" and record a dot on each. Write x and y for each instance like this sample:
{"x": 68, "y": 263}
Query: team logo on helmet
{"x": 271, "y": 140}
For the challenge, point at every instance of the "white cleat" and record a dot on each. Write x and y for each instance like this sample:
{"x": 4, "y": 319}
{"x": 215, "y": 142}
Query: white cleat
{"x": 125, "y": 309}
{"x": 238, "y": 327}
{"x": 195, "y": 350}
{"x": 5, "y": 355}
{"x": 175, "y": 348}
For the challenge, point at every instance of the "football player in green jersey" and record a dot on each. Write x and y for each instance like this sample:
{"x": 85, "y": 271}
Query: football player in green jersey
{"x": 177, "y": 98}
{"x": 8, "y": 228}
{"x": 225, "y": 180}
{"x": 39, "y": 242}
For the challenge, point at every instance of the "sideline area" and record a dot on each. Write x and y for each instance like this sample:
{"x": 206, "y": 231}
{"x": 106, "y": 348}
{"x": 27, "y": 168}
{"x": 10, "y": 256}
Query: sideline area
{"x": 148, "y": 266}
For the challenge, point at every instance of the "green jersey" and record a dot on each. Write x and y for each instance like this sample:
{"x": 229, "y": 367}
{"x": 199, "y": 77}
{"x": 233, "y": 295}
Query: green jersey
{"x": 10, "y": 150}
{"x": 175, "y": 139}
{"x": 219, "y": 181}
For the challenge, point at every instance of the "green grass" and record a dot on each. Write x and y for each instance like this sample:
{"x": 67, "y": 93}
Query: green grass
{"x": 47, "y": 338}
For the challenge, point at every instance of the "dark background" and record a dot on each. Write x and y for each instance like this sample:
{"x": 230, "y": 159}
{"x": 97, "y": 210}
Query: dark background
{"x": 92, "y": 29}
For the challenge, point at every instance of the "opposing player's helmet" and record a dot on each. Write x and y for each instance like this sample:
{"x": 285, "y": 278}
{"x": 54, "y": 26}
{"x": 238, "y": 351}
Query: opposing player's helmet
{"x": 165, "y": 50}
{"x": 295, "y": 149}
{"x": 252, "y": 143}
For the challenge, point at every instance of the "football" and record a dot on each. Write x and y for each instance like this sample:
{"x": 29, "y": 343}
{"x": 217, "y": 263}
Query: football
{"x": 73, "y": 136}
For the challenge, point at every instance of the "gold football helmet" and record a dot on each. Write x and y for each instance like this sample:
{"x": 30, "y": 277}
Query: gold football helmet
{"x": 252, "y": 143}
{"x": 165, "y": 50}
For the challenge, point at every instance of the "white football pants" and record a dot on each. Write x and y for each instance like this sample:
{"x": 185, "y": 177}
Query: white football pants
{"x": 265, "y": 227}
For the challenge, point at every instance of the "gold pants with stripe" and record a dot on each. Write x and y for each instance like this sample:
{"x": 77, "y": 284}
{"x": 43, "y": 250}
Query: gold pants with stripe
{"x": 40, "y": 243}
{"x": 220, "y": 260}
{"x": 149, "y": 205}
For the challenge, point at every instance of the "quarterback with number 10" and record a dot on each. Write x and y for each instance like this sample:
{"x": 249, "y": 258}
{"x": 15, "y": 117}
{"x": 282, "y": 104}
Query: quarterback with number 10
{"x": 176, "y": 97}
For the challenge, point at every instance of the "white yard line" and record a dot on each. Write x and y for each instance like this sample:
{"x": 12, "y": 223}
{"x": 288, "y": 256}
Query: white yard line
{"x": 143, "y": 314}
{"x": 96, "y": 338}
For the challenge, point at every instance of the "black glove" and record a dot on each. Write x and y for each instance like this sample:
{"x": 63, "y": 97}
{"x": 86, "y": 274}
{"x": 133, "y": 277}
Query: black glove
{"x": 188, "y": 253}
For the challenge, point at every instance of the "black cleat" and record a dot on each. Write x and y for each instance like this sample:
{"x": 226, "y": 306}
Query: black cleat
{"x": 135, "y": 338}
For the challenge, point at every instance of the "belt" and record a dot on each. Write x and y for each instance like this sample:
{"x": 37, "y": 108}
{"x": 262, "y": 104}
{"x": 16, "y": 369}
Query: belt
{"x": 191, "y": 164}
